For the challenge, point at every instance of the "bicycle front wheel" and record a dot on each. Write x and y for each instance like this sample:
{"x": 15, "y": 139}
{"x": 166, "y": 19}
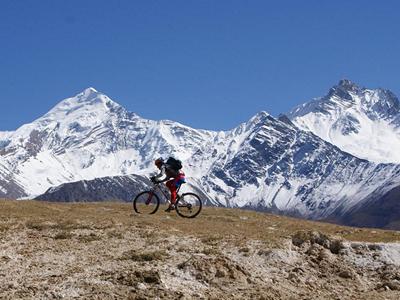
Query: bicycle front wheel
{"x": 146, "y": 203}
{"x": 188, "y": 205}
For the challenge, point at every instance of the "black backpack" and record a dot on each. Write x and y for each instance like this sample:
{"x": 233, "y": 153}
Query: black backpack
{"x": 175, "y": 164}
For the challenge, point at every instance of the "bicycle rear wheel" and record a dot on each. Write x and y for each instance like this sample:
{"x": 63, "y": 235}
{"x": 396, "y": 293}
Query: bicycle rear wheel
{"x": 188, "y": 205}
{"x": 146, "y": 203}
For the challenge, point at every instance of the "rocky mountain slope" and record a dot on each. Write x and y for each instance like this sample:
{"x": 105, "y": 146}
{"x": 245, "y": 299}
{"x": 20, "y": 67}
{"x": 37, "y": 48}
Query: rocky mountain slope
{"x": 375, "y": 211}
{"x": 102, "y": 251}
{"x": 364, "y": 122}
{"x": 281, "y": 168}
{"x": 123, "y": 188}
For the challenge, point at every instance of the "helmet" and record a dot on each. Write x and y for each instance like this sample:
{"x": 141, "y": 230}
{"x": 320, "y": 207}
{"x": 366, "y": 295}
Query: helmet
{"x": 159, "y": 162}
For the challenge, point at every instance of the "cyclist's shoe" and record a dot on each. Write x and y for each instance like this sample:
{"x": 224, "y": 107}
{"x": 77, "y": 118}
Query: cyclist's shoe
{"x": 171, "y": 207}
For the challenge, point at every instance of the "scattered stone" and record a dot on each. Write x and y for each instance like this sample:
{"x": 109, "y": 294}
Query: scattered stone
{"x": 336, "y": 246}
{"x": 263, "y": 252}
{"x": 244, "y": 250}
{"x": 374, "y": 247}
{"x": 306, "y": 236}
{"x": 314, "y": 250}
{"x": 325, "y": 255}
{"x": 298, "y": 270}
{"x": 347, "y": 274}
{"x": 141, "y": 286}
{"x": 388, "y": 286}
{"x": 220, "y": 273}
{"x": 393, "y": 285}
{"x": 151, "y": 277}
{"x": 293, "y": 277}
{"x": 314, "y": 237}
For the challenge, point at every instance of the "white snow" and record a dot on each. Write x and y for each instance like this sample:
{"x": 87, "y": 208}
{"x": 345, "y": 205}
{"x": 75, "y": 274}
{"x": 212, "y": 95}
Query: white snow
{"x": 377, "y": 134}
{"x": 4, "y": 135}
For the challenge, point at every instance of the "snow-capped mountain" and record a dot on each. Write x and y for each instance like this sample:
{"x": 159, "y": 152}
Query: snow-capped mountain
{"x": 281, "y": 168}
{"x": 364, "y": 122}
{"x": 85, "y": 137}
{"x": 264, "y": 163}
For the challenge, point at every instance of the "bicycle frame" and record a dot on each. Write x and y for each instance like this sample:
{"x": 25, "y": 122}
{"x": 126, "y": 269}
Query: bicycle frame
{"x": 162, "y": 190}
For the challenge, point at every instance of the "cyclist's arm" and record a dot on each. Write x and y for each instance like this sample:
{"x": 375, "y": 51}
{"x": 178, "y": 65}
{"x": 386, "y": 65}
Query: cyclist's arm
{"x": 162, "y": 173}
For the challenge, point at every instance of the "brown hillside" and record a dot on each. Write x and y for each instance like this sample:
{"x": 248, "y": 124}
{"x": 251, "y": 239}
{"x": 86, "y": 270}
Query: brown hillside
{"x": 104, "y": 251}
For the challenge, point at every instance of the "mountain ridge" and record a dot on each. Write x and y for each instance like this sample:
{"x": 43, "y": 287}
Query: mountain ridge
{"x": 264, "y": 163}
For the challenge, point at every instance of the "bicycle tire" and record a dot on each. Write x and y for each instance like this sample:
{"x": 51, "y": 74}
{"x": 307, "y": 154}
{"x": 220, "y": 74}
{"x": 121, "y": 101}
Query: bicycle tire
{"x": 182, "y": 208}
{"x": 140, "y": 203}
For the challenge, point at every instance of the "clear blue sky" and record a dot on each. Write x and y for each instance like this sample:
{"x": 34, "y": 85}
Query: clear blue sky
{"x": 208, "y": 64}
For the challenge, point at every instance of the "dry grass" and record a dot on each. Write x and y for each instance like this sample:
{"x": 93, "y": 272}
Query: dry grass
{"x": 211, "y": 226}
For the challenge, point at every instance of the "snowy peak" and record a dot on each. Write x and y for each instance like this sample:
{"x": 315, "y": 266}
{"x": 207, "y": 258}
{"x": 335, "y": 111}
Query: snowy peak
{"x": 88, "y": 109}
{"x": 345, "y": 90}
{"x": 347, "y": 97}
{"x": 364, "y": 122}
{"x": 258, "y": 120}
{"x": 347, "y": 84}
{"x": 86, "y": 123}
{"x": 376, "y": 103}
{"x": 89, "y": 90}
{"x": 89, "y": 99}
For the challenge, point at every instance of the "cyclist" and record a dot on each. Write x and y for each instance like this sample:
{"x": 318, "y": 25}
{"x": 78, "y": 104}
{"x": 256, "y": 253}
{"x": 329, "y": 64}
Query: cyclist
{"x": 174, "y": 177}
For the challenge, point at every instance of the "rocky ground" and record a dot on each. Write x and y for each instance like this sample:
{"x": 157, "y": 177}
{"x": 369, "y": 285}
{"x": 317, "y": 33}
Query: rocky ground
{"x": 104, "y": 251}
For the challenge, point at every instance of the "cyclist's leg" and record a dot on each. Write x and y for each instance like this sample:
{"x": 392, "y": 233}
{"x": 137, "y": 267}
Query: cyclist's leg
{"x": 172, "y": 188}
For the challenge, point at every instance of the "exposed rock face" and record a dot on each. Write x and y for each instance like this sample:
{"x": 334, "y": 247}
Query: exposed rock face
{"x": 376, "y": 211}
{"x": 123, "y": 188}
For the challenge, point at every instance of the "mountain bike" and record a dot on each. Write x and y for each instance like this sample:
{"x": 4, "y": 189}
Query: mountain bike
{"x": 187, "y": 205}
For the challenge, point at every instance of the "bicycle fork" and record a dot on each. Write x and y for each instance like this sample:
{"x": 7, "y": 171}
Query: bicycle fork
{"x": 149, "y": 199}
